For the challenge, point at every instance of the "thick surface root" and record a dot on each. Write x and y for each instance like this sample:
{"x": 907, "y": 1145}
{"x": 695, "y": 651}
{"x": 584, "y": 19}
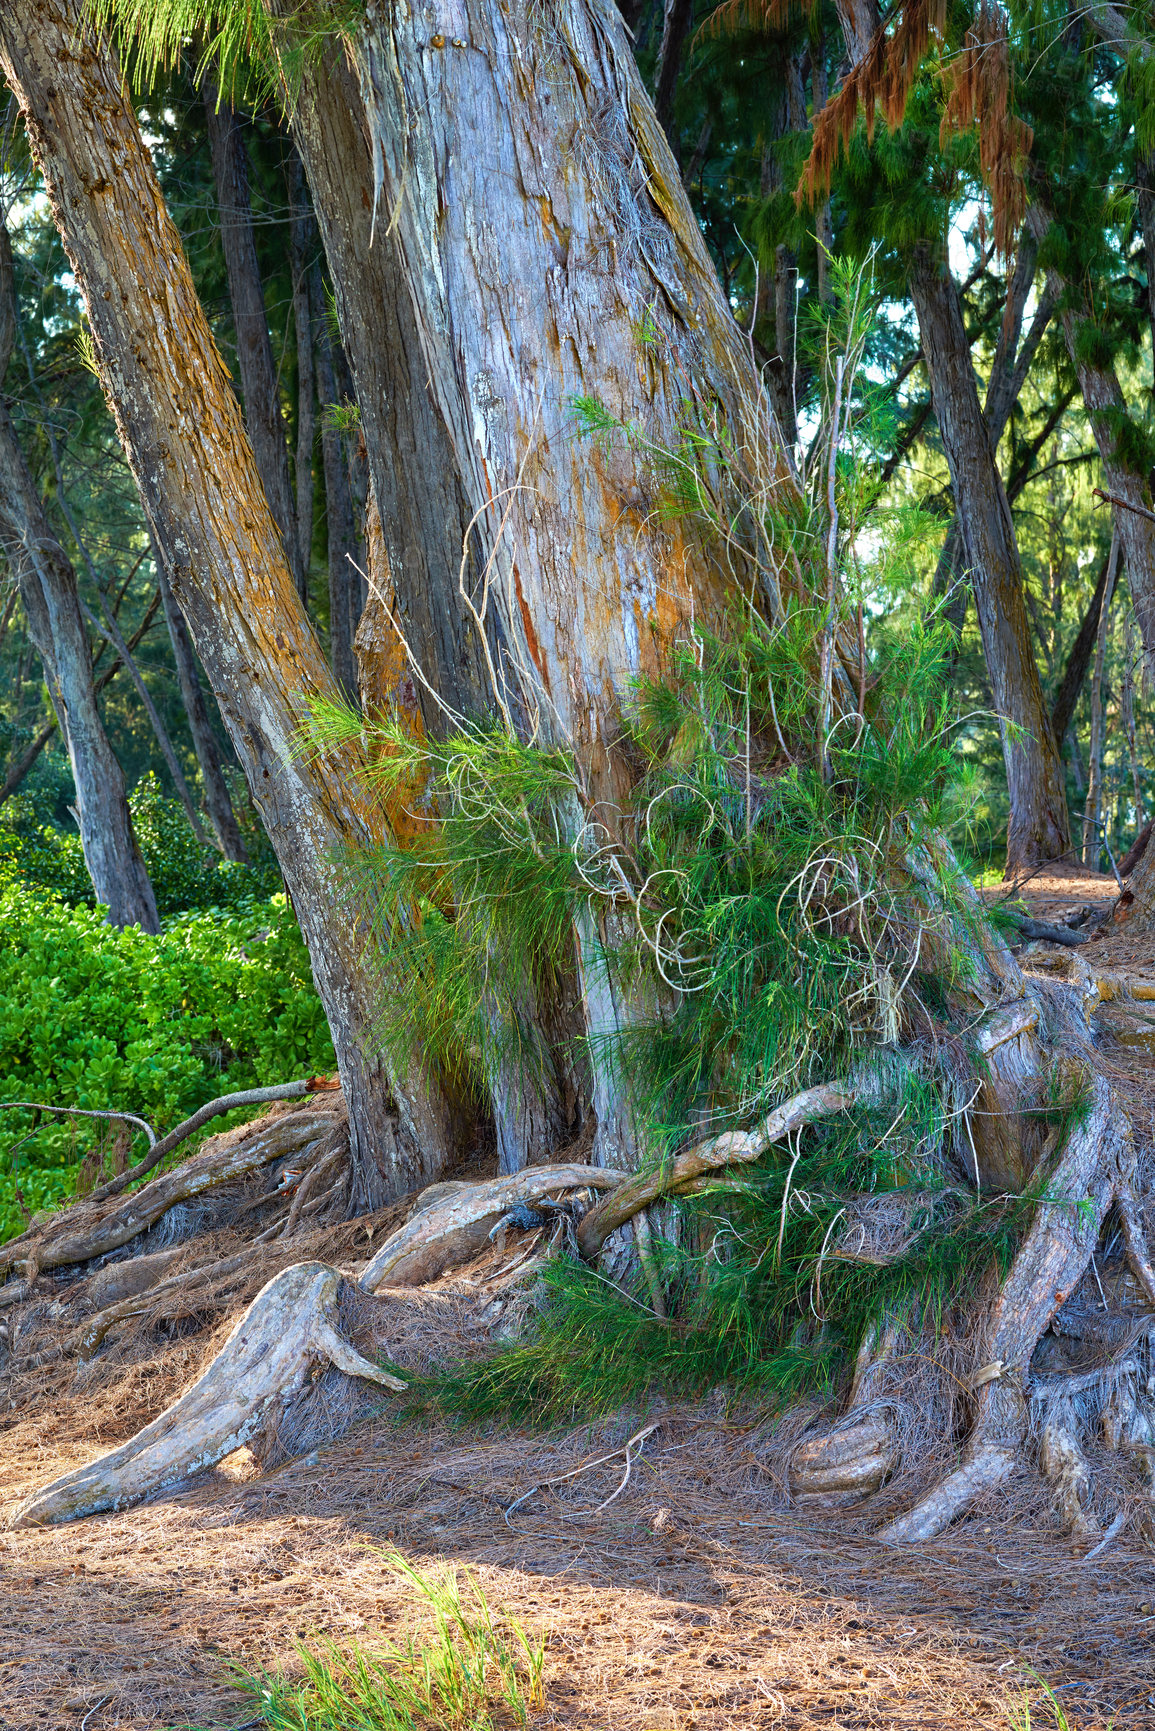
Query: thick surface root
{"x": 1095, "y": 1168}
{"x": 288, "y": 1331}
{"x": 454, "y": 1220}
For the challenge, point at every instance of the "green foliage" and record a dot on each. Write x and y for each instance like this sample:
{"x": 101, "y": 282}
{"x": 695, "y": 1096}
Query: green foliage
{"x": 251, "y": 50}
{"x": 105, "y": 1018}
{"x": 184, "y": 874}
{"x": 761, "y": 1302}
{"x": 476, "y": 1672}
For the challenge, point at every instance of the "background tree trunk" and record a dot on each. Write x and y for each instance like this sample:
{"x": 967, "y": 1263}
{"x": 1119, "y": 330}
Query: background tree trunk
{"x": 1092, "y": 809}
{"x": 48, "y": 589}
{"x": 264, "y": 422}
{"x": 218, "y": 802}
{"x": 223, "y": 553}
{"x": 1038, "y": 828}
{"x": 340, "y": 523}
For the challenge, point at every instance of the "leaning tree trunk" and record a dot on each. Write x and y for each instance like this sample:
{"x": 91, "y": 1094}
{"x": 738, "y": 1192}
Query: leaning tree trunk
{"x": 47, "y": 584}
{"x": 1039, "y": 828}
{"x": 181, "y": 428}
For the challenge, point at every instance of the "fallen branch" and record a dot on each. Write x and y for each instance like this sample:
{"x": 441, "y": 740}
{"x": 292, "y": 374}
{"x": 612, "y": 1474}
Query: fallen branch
{"x": 731, "y": 1148}
{"x": 204, "y": 1114}
{"x": 290, "y": 1327}
{"x": 458, "y": 1224}
{"x": 1051, "y": 934}
{"x": 84, "y": 1231}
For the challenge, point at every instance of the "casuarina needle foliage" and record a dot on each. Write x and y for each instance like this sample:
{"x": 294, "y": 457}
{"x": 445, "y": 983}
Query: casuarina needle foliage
{"x": 775, "y": 902}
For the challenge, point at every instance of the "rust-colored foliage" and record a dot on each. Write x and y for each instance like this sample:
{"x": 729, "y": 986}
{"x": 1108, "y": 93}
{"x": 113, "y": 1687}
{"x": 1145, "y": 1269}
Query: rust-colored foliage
{"x": 882, "y": 79}
{"x": 978, "y": 89}
{"x": 978, "y": 85}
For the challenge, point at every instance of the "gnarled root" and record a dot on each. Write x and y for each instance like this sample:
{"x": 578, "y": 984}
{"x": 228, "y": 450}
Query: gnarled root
{"x": 456, "y": 1224}
{"x": 1094, "y": 1169}
{"x": 858, "y": 1455}
{"x": 1065, "y": 1465}
{"x": 289, "y": 1328}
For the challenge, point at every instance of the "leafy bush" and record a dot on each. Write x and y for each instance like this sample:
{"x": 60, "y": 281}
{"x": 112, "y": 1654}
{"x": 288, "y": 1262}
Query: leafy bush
{"x": 184, "y": 874}
{"x": 99, "y": 1017}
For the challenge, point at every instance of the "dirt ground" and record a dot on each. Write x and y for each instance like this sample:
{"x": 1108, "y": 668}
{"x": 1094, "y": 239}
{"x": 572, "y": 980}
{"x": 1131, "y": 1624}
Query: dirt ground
{"x": 697, "y": 1600}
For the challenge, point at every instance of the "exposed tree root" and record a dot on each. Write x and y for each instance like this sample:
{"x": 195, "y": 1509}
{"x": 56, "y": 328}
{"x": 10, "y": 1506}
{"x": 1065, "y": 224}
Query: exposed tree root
{"x": 456, "y": 1225}
{"x": 289, "y": 1329}
{"x": 93, "y": 1228}
{"x": 1056, "y": 1251}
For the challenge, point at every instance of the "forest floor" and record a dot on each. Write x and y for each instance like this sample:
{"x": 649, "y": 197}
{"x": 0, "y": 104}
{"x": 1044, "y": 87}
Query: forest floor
{"x": 698, "y": 1598}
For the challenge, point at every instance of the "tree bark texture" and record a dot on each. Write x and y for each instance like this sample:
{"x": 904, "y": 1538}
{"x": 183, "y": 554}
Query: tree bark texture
{"x": 1038, "y": 828}
{"x": 47, "y": 584}
{"x": 264, "y": 422}
{"x": 223, "y": 553}
{"x": 423, "y": 504}
{"x": 556, "y": 257}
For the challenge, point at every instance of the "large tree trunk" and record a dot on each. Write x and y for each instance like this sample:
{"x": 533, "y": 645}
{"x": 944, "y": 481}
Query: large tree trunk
{"x": 182, "y": 431}
{"x": 1038, "y": 828}
{"x": 525, "y": 261}
{"x": 48, "y": 589}
{"x": 264, "y": 421}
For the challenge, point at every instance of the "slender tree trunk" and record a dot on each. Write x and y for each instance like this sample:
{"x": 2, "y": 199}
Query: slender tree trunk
{"x": 304, "y": 241}
{"x": 1131, "y": 654}
{"x": 1092, "y": 809}
{"x": 1079, "y": 660}
{"x": 223, "y": 552}
{"x": 340, "y": 523}
{"x": 264, "y": 421}
{"x": 677, "y": 19}
{"x": 1103, "y": 399}
{"x": 218, "y": 802}
{"x": 778, "y": 288}
{"x": 111, "y": 630}
{"x": 1038, "y": 827}
{"x": 48, "y": 589}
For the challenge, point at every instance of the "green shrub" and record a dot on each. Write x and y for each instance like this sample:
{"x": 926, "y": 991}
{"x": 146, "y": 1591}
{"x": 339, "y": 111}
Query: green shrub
{"x": 184, "y": 874}
{"x": 99, "y": 1017}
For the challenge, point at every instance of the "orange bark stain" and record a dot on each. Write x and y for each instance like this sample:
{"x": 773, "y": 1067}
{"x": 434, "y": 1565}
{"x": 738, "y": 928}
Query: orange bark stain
{"x": 531, "y": 638}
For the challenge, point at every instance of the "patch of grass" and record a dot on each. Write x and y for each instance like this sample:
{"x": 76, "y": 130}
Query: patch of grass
{"x": 474, "y": 1672}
